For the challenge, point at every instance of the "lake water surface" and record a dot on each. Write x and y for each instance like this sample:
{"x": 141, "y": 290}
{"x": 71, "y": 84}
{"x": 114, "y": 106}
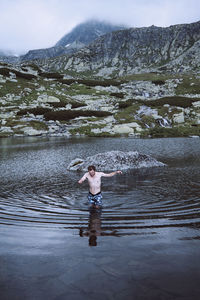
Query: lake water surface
{"x": 143, "y": 244}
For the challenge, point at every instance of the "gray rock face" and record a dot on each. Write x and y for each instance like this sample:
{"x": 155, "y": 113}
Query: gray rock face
{"x": 79, "y": 37}
{"x": 115, "y": 160}
{"x": 140, "y": 48}
{"x": 43, "y": 53}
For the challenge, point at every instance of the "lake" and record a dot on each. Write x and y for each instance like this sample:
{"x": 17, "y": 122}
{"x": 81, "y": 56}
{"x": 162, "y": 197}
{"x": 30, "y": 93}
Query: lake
{"x": 143, "y": 244}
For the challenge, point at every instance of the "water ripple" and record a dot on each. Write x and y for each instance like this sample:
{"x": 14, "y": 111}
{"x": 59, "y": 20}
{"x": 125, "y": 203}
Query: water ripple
{"x": 37, "y": 191}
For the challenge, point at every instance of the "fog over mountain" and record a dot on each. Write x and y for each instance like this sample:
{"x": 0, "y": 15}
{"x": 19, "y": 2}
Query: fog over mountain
{"x": 55, "y": 18}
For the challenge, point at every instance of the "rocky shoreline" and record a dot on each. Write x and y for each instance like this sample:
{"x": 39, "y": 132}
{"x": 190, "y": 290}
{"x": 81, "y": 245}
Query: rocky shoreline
{"x": 35, "y": 103}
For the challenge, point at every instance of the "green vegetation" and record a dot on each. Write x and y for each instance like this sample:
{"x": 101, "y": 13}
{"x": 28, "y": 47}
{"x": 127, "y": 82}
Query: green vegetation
{"x": 189, "y": 85}
{"x": 158, "y": 82}
{"x": 93, "y": 83}
{"x": 5, "y": 134}
{"x": 149, "y": 77}
{"x": 66, "y": 115}
{"x": 179, "y": 131}
{"x": 87, "y": 130}
{"x": 81, "y": 89}
{"x": 6, "y": 72}
{"x": 14, "y": 87}
{"x": 31, "y": 65}
{"x": 51, "y": 75}
{"x": 127, "y": 103}
{"x": 38, "y": 125}
{"x": 118, "y": 95}
{"x": 127, "y": 114}
{"x": 35, "y": 111}
{"x": 173, "y": 101}
{"x": 75, "y": 104}
{"x": 148, "y": 120}
{"x": 14, "y": 122}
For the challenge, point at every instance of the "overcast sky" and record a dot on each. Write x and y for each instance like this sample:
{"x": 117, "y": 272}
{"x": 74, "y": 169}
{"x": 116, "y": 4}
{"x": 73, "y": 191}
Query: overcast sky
{"x": 34, "y": 24}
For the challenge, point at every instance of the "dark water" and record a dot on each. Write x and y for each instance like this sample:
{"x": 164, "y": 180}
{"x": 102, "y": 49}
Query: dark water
{"x": 143, "y": 244}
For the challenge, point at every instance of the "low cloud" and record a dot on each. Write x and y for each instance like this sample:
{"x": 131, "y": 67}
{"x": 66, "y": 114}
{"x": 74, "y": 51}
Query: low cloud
{"x": 34, "y": 24}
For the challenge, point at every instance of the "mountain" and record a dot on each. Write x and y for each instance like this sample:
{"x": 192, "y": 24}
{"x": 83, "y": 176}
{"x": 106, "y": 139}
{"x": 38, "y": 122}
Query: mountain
{"x": 8, "y": 57}
{"x": 79, "y": 37}
{"x": 87, "y": 32}
{"x": 132, "y": 50}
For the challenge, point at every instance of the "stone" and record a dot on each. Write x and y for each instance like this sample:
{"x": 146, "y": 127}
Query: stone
{"x": 6, "y": 129}
{"x": 27, "y": 90}
{"x": 114, "y": 160}
{"x": 32, "y": 132}
{"x": 122, "y": 129}
{"x": 179, "y": 118}
{"x": 53, "y": 128}
{"x": 7, "y": 115}
{"x": 106, "y": 129}
{"x": 196, "y": 104}
{"x": 107, "y": 108}
{"x": 134, "y": 125}
{"x": 45, "y": 98}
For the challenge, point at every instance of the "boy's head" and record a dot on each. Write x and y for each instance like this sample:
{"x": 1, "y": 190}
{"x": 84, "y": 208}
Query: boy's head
{"x": 92, "y": 170}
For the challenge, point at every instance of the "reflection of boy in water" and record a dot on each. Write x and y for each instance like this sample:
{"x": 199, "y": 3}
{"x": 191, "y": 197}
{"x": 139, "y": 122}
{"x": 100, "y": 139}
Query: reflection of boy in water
{"x": 94, "y": 227}
{"x": 94, "y": 180}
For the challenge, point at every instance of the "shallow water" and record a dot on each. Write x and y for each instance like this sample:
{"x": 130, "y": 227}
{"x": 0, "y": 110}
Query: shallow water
{"x": 143, "y": 244}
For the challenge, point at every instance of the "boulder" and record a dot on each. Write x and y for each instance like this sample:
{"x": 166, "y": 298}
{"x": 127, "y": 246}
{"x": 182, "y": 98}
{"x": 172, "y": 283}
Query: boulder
{"x": 6, "y": 129}
{"x": 114, "y": 160}
{"x": 45, "y": 98}
{"x": 123, "y": 129}
{"x": 196, "y": 104}
{"x": 179, "y": 118}
{"x": 33, "y": 132}
{"x": 134, "y": 125}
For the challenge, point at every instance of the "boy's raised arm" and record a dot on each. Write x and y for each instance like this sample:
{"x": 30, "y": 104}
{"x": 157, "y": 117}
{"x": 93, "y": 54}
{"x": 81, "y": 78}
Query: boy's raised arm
{"x": 83, "y": 178}
{"x": 111, "y": 174}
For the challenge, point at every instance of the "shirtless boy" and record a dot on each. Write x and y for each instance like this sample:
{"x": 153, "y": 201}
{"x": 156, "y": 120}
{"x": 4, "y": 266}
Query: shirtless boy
{"x": 94, "y": 181}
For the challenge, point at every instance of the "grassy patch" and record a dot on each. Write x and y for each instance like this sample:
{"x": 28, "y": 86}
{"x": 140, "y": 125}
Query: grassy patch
{"x": 173, "y": 101}
{"x": 71, "y": 114}
{"x": 33, "y": 66}
{"x": 38, "y": 125}
{"x": 35, "y": 111}
{"x": 75, "y": 104}
{"x": 6, "y": 72}
{"x": 14, "y": 87}
{"x": 93, "y": 83}
{"x": 148, "y": 120}
{"x": 87, "y": 130}
{"x": 180, "y": 131}
{"x": 80, "y": 89}
{"x": 158, "y": 82}
{"x": 127, "y": 114}
{"x": 14, "y": 122}
{"x": 127, "y": 103}
{"x": 5, "y": 134}
{"x": 51, "y": 75}
{"x": 149, "y": 77}
{"x": 118, "y": 95}
{"x": 189, "y": 85}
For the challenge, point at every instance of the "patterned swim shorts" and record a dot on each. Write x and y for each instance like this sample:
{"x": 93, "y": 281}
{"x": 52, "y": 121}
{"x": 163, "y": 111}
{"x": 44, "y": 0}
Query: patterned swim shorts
{"x": 95, "y": 199}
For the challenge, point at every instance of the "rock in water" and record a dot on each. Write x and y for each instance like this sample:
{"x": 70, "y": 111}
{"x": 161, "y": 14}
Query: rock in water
{"x": 115, "y": 160}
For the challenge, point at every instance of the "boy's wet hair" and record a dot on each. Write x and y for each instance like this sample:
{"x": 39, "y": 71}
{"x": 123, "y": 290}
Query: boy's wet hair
{"x": 90, "y": 168}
